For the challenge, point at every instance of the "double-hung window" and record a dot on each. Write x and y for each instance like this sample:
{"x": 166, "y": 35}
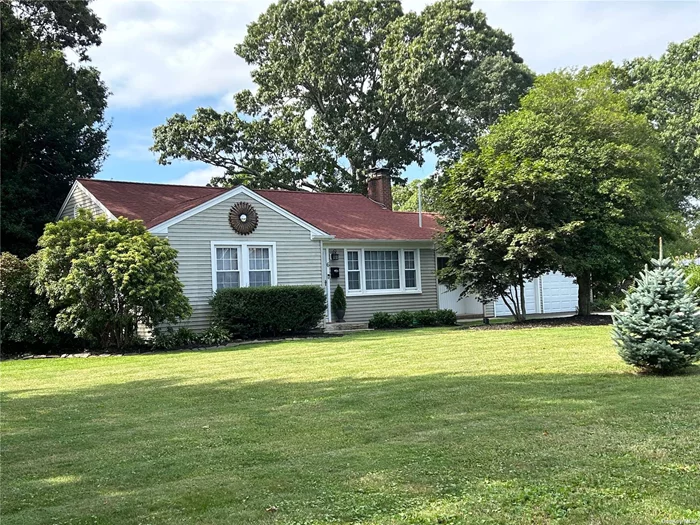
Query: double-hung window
{"x": 239, "y": 265}
{"x": 372, "y": 271}
{"x": 353, "y": 263}
{"x": 409, "y": 269}
{"x": 228, "y": 274}
{"x": 259, "y": 273}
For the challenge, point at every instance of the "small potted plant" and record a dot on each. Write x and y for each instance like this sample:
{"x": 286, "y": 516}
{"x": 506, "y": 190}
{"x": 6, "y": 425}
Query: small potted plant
{"x": 339, "y": 304}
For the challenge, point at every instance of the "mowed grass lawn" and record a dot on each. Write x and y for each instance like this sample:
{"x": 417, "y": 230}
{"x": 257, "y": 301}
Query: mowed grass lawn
{"x": 428, "y": 426}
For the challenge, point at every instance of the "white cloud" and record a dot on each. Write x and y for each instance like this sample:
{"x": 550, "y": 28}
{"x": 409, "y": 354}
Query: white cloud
{"x": 168, "y": 52}
{"x": 199, "y": 177}
{"x": 552, "y": 35}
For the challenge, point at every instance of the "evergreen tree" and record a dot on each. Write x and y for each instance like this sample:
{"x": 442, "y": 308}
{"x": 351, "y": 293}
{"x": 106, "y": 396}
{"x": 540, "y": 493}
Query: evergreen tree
{"x": 659, "y": 329}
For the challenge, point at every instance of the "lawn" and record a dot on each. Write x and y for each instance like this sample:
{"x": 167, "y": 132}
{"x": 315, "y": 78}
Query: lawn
{"x": 427, "y": 426}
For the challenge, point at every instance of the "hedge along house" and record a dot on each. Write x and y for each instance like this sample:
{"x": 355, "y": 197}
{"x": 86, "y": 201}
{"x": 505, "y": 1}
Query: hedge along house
{"x": 384, "y": 260}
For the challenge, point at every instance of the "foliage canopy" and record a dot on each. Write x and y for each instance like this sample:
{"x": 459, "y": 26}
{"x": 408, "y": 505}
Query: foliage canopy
{"x": 53, "y": 127}
{"x": 568, "y": 182}
{"x": 344, "y": 87}
{"x": 107, "y": 276}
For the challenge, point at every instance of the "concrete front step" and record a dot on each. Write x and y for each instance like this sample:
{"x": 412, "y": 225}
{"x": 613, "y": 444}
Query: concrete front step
{"x": 345, "y": 327}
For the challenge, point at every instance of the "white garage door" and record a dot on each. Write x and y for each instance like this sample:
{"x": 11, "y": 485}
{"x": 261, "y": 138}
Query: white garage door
{"x": 548, "y": 294}
{"x": 559, "y": 293}
{"x": 530, "y": 301}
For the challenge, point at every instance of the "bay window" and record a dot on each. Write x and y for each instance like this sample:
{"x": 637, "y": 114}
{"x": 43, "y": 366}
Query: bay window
{"x": 379, "y": 271}
{"x": 237, "y": 265}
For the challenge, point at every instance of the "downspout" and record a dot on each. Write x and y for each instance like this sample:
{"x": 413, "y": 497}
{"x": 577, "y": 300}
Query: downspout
{"x": 325, "y": 264}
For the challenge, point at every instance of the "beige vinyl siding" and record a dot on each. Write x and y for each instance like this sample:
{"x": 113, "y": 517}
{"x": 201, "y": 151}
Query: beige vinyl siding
{"x": 361, "y": 308}
{"x": 298, "y": 257}
{"x": 80, "y": 199}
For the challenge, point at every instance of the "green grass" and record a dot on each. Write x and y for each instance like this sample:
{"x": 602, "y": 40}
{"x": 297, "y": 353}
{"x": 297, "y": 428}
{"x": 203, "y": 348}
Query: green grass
{"x": 427, "y": 426}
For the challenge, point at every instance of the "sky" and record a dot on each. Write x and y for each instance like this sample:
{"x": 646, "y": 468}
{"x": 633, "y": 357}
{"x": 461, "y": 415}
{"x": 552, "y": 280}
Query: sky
{"x": 161, "y": 57}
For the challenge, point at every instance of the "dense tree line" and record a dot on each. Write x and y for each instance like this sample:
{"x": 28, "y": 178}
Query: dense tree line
{"x": 53, "y": 127}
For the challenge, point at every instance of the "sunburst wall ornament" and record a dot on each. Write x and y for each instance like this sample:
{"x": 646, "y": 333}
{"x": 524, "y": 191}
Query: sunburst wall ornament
{"x": 243, "y": 218}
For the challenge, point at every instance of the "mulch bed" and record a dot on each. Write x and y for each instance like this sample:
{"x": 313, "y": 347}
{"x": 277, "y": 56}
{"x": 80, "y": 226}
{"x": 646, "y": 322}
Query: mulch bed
{"x": 576, "y": 320}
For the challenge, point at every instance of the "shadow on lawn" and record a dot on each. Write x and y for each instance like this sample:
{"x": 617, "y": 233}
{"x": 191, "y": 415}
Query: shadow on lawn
{"x": 529, "y": 446}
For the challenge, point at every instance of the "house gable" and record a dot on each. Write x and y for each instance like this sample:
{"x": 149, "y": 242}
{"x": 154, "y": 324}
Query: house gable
{"x": 240, "y": 192}
{"x": 80, "y": 197}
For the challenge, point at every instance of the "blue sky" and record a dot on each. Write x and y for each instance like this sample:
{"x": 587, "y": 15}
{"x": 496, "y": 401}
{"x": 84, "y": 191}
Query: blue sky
{"x": 163, "y": 57}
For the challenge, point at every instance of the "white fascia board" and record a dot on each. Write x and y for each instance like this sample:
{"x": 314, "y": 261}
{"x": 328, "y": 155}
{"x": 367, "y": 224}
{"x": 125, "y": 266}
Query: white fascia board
{"x": 314, "y": 232}
{"x": 381, "y": 242}
{"x": 65, "y": 201}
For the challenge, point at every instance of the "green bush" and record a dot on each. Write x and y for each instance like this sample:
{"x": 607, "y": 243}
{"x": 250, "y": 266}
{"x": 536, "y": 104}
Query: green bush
{"x": 446, "y": 317}
{"x": 659, "y": 329}
{"x": 183, "y": 337}
{"x": 404, "y": 319}
{"x": 105, "y": 277}
{"x": 692, "y": 273}
{"x": 407, "y": 319}
{"x": 425, "y": 318}
{"x": 26, "y": 319}
{"x": 214, "y": 336}
{"x": 338, "y": 302}
{"x": 268, "y": 310}
{"x": 381, "y": 321}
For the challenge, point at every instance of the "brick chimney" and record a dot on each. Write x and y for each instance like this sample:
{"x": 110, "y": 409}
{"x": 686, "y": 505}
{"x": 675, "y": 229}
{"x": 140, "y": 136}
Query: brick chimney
{"x": 379, "y": 187}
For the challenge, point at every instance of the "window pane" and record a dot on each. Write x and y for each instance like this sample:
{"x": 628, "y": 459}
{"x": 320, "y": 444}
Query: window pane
{"x": 226, "y": 259}
{"x": 382, "y": 270}
{"x": 258, "y": 258}
{"x": 409, "y": 260}
{"x": 354, "y": 280}
{"x": 227, "y": 280}
{"x": 260, "y": 278}
{"x": 353, "y": 261}
{"x": 411, "y": 279}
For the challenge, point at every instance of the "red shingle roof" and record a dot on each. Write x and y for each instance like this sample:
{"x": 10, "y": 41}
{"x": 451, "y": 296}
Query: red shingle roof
{"x": 344, "y": 215}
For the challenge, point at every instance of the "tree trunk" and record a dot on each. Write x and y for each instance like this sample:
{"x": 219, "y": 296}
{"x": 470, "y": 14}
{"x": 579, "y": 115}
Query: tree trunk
{"x": 523, "y": 311}
{"x": 584, "y": 293}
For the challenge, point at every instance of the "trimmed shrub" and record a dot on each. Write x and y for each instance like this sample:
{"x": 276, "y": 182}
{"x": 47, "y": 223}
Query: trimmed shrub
{"x": 338, "y": 302}
{"x": 446, "y": 317}
{"x": 425, "y": 318}
{"x": 381, "y": 320}
{"x": 406, "y": 319}
{"x": 268, "y": 310}
{"x": 659, "y": 329}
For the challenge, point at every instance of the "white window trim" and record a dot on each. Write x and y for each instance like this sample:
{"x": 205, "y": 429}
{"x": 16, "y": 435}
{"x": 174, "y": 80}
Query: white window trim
{"x": 402, "y": 290}
{"x": 243, "y": 260}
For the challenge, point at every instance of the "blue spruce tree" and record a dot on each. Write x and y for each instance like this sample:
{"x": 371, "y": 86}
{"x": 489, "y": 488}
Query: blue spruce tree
{"x": 659, "y": 329}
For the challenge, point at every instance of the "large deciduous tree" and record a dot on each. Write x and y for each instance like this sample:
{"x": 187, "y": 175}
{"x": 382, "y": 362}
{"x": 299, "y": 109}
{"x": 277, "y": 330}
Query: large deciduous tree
{"x": 568, "y": 182}
{"x": 53, "y": 128}
{"x": 667, "y": 91}
{"x": 344, "y": 87}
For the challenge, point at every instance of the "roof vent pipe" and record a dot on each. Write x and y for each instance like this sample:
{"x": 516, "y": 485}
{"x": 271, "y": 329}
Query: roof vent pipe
{"x": 420, "y": 207}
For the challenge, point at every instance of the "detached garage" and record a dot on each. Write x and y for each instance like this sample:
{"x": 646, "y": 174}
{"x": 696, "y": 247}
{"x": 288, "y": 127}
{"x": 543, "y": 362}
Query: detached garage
{"x": 551, "y": 293}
